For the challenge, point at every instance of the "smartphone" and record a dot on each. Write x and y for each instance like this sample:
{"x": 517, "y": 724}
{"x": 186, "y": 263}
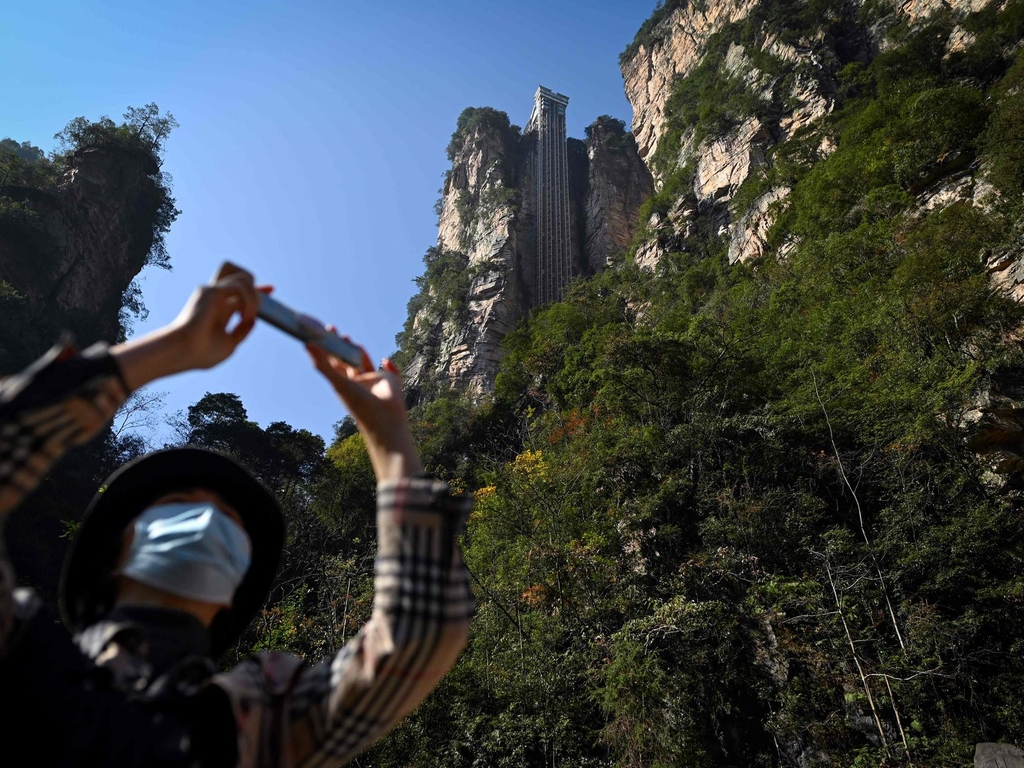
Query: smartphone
{"x": 308, "y": 330}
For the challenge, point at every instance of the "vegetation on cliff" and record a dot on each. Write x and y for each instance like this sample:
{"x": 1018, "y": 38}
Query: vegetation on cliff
{"x": 649, "y": 31}
{"x": 730, "y": 514}
{"x": 476, "y": 129}
{"x": 441, "y": 299}
{"x": 25, "y": 169}
{"x": 39, "y": 230}
{"x": 488, "y": 119}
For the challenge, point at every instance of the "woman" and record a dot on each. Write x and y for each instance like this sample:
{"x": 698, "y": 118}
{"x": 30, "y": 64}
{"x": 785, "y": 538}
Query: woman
{"x": 176, "y": 555}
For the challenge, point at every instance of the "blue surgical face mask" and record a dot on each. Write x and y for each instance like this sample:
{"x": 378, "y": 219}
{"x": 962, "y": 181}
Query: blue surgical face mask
{"x": 190, "y": 549}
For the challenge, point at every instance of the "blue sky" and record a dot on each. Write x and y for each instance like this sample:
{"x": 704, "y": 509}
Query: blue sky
{"x": 311, "y": 145}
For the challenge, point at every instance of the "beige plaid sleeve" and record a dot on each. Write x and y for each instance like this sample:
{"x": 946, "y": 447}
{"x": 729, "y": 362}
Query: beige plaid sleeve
{"x": 326, "y": 714}
{"x": 63, "y": 399}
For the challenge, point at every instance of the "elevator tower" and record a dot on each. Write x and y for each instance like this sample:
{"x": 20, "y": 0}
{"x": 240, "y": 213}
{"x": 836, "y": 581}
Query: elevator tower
{"x": 554, "y": 262}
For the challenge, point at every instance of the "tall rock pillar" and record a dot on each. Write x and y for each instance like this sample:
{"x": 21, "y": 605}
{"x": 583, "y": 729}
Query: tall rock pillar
{"x": 554, "y": 253}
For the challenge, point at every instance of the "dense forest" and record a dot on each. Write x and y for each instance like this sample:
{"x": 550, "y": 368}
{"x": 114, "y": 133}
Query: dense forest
{"x": 763, "y": 513}
{"x": 750, "y": 514}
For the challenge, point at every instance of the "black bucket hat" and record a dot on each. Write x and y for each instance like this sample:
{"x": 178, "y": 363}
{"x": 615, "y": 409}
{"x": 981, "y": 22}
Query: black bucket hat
{"x": 87, "y": 583}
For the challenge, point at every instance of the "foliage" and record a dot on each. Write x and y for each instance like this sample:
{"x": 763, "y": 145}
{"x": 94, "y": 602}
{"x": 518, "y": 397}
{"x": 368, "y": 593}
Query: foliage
{"x": 23, "y": 165}
{"x": 1004, "y": 137}
{"x": 144, "y": 130}
{"x": 473, "y": 119}
{"x": 608, "y": 123}
{"x": 732, "y": 517}
{"x": 26, "y": 151}
{"x": 706, "y": 103}
{"x": 442, "y": 297}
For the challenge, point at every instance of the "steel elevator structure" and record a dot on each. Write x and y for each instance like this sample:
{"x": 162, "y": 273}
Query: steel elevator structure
{"x": 554, "y": 259}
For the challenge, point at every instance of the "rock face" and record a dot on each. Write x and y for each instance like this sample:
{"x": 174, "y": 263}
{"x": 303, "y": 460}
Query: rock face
{"x": 790, "y": 82}
{"x": 995, "y": 426}
{"x": 748, "y": 236}
{"x": 790, "y": 85}
{"x": 487, "y": 214}
{"x": 483, "y": 216}
{"x": 725, "y": 163}
{"x": 919, "y": 9}
{"x": 678, "y": 42}
{"x": 677, "y": 45}
{"x": 998, "y": 756}
{"x": 618, "y": 185}
{"x": 86, "y": 240}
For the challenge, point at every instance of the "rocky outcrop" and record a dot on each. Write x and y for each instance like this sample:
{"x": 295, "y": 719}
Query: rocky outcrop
{"x": 915, "y": 10}
{"x": 748, "y": 236}
{"x": 994, "y": 429}
{"x": 809, "y": 100}
{"x": 792, "y": 79}
{"x": 1006, "y": 268}
{"x": 671, "y": 231}
{"x": 792, "y": 76}
{"x": 482, "y": 217}
{"x": 674, "y": 50}
{"x": 618, "y": 184}
{"x": 989, "y": 755}
{"x": 473, "y": 193}
{"x": 649, "y": 253}
{"x": 724, "y": 163}
{"x": 83, "y": 242}
{"x": 675, "y": 46}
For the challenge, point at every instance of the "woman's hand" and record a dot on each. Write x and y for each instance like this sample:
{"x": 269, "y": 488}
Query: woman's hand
{"x": 201, "y": 336}
{"x": 202, "y": 326}
{"x": 375, "y": 400}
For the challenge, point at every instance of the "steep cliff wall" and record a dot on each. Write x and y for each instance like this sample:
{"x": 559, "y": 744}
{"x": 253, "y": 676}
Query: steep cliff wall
{"x": 486, "y": 232}
{"x": 619, "y": 183}
{"x": 670, "y": 49}
{"x": 70, "y": 248}
{"x": 88, "y": 238}
{"x": 480, "y": 220}
{"x": 723, "y": 91}
{"x": 676, "y": 39}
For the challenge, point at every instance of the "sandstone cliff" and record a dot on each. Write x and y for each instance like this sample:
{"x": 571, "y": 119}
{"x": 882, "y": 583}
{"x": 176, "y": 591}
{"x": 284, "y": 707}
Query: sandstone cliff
{"x": 486, "y": 224}
{"x": 672, "y": 49}
{"x": 777, "y": 76}
{"x": 71, "y": 249}
{"x": 619, "y": 183}
{"x": 480, "y": 219}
